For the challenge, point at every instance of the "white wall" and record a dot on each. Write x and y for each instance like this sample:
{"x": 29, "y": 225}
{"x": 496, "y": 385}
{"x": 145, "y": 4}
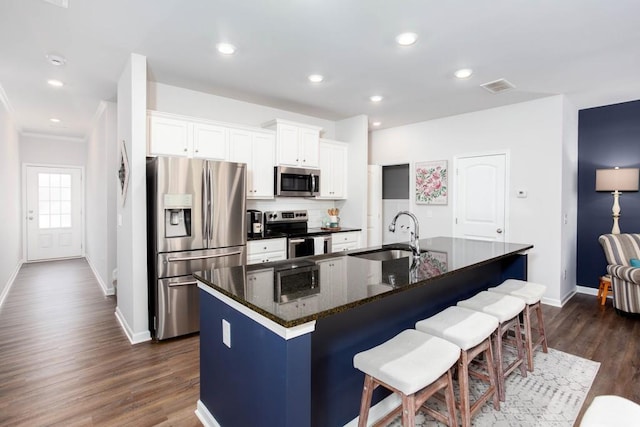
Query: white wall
{"x": 100, "y": 196}
{"x": 534, "y": 135}
{"x": 172, "y": 99}
{"x": 10, "y": 215}
{"x": 52, "y": 150}
{"x": 132, "y": 308}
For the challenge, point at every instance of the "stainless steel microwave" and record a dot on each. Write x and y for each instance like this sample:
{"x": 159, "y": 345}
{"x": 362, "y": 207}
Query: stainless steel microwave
{"x": 296, "y": 182}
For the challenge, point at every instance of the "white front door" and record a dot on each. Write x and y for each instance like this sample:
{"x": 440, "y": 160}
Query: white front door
{"x": 54, "y": 212}
{"x": 480, "y": 197}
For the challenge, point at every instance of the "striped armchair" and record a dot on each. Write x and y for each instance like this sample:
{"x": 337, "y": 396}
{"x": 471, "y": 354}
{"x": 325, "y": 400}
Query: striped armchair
{"x": 619, "y": 248}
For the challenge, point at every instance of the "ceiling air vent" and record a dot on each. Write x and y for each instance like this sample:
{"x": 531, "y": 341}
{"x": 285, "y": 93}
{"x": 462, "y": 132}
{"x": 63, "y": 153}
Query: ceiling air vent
{"x": 498, "y": 86}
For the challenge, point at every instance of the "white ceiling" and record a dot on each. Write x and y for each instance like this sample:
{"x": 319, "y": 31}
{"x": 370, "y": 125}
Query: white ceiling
{"x": 587, "y": 49}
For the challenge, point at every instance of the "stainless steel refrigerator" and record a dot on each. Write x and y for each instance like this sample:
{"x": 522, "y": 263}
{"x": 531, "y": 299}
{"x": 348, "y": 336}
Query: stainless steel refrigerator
{"x": 195, "y": 221}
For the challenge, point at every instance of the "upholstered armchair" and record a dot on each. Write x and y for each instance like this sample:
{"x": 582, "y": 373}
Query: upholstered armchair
{"x": 625, "y": 279}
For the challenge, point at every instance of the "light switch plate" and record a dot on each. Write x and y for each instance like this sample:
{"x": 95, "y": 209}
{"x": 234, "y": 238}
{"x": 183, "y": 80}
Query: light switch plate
{"x": 226, "y": 333}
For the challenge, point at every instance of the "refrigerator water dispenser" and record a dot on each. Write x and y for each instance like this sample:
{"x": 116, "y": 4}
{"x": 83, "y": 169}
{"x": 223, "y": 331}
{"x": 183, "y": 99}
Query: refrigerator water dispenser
{"x": 177, "y": 215}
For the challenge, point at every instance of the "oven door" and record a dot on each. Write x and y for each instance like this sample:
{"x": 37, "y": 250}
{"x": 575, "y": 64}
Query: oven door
{"x": 300, "y": 246}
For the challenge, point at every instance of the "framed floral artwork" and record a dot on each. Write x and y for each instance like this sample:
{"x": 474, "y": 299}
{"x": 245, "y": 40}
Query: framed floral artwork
{"x": 123, "y": 172}
{"x": 432, "y": 183}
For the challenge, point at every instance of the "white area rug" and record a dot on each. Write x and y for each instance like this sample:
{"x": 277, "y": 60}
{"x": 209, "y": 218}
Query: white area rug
{"x": 551, "y": 396}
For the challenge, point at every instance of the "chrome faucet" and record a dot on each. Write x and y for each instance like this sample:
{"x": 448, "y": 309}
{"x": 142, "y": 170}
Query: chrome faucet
{"x": 415, "y": 239}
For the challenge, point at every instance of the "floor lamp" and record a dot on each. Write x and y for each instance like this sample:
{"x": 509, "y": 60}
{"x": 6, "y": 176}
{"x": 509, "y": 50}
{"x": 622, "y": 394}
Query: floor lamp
{"x": 616, "y": 180}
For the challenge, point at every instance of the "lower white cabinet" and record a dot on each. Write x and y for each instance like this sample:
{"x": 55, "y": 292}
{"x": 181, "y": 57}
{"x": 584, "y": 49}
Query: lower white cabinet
{"x": 345, "y": 241}
{"x": 299, "y": 307}
{"x": 333, "y": 278}
{"x": 266, "y": 250}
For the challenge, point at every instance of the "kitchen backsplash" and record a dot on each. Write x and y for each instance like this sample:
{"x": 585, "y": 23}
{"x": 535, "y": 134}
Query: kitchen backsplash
{"x": 317, "y": 209}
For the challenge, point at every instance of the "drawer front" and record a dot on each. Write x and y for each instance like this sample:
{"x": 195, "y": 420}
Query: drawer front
{"x": 348, "y": 237}
{"x": 340, "y": 247}
{"x": 266, "y": 257}
{"x": 255, "y": 247}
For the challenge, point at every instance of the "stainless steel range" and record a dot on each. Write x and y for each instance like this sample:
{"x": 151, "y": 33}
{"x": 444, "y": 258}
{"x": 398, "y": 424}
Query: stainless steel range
{"x": 294, "y": 224}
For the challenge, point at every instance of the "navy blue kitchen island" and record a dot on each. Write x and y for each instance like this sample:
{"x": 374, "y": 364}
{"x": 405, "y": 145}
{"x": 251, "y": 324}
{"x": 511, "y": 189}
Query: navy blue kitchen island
{"x": 277, "y": 340}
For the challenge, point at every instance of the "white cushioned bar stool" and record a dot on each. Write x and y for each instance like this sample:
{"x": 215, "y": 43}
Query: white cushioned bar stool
{"x": 611, "y": 411}
{"x": 471, "y": 331}
{"x": 532, "y": 294}
{"x": 506, "y": 309}
{"x": 416, "y": 366}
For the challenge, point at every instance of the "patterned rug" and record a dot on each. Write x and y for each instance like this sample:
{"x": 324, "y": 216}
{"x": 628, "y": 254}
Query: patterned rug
{"x": 551, "y": 396}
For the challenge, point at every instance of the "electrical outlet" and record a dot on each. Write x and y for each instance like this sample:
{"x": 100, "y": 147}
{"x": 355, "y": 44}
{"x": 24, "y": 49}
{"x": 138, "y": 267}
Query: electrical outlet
{"x": 226, "y": 333}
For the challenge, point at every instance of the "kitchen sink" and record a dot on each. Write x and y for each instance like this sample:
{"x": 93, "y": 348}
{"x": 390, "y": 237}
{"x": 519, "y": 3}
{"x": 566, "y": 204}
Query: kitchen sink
{"x": 385, "y": 254}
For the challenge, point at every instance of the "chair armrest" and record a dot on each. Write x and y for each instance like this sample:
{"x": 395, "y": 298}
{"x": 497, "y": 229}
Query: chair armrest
{"x": 626, "y": 273}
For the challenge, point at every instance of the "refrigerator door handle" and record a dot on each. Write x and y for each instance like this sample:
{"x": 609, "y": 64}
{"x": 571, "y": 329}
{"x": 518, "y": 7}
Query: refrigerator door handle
{"x": 203, "y": 200}
{"x": 209, "y": 207}
{"x": 174, "y": 285}
{"x": 192, "y": 258}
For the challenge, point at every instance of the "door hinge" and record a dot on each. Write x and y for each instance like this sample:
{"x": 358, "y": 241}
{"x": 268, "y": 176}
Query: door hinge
{"x": 456, "y": 220}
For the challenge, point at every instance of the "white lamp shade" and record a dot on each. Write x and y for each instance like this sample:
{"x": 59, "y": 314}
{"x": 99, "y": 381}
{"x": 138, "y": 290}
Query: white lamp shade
{"x": 617, "y": 179}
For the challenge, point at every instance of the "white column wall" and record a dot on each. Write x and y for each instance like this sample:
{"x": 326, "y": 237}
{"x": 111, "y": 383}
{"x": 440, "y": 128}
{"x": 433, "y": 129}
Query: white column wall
{"x": 132, "y": 311}
{"x": 101, "y": 198}
{"x": 533, "y": 133}
{"x": 10, "y": 214}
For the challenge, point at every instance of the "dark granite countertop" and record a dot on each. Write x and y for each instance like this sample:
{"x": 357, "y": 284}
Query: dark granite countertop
{"x": 310, "y": 232}
{"x": 346, "y": 281}
{"x": 267, "y": 236}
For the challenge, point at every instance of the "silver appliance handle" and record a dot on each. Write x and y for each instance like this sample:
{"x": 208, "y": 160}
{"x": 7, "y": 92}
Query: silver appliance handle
{"x": 192, "y": 258}
{"x": 209, "y": 201}
{"x": 174, "y": 285}
{"x": 296, "y": 240}
{"x": 203, "y": 200}
{"x": 313, "y": 183}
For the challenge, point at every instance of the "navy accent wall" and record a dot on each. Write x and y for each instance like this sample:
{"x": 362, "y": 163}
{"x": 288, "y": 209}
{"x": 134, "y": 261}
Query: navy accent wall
{"x": 607, "y": 137}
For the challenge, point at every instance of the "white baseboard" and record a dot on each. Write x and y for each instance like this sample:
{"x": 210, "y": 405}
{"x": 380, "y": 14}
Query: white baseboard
{"x": 107, "y": 290}
{"x": 205, "y": 416}
{"x": 589, "y": 291}
{"x": 552, "y": 302}
{"x": 9, "y": 284}
{"x": 378, "y": 410}
{"x": 134, "y": 338}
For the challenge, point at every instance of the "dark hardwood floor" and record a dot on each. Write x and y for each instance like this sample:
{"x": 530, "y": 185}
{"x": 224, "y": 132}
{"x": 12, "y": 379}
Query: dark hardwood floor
{"x": 65, "y": 362}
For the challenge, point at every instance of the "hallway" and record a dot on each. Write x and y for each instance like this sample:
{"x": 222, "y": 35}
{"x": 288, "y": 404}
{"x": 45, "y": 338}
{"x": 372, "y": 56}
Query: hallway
{"x": 65, "y": 361}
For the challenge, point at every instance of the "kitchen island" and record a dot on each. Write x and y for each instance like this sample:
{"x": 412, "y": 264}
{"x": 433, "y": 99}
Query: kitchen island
{"x": 277, "y": 340}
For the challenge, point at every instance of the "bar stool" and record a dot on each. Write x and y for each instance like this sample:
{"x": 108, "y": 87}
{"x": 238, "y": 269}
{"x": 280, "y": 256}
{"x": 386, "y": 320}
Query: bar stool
{"x": 532, "y": 294}
{"x": 506, "y": 309}
{"x": 471, "y": 331}
{"x": 416, "y": 366}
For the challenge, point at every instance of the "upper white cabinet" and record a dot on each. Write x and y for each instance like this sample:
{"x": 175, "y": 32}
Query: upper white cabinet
{"x": 173, "y": 135}
{"x": 297, "y": 144}
{"x": 257, "y": 150}
{"x": 333, "y": 165}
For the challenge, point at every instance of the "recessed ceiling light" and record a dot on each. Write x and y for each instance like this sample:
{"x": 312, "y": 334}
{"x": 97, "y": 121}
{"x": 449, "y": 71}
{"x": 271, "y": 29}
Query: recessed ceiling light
{"x": 376, "y": 124}
{"x": 226, "y": 48}
{"x": 56, "y": 60}
{"x": 316, "y": 78}
{"x": 55, "y": 83}
{"x": 376, "y": 98}
{"x": 54, "y": 120}
{"x": 463, "y": 73}
{"x": 406, "y": 39}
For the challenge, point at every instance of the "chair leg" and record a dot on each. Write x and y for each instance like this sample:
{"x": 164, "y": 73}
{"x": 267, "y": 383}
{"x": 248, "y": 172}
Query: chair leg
{"x": 408, "y": 410}
{"x": 528, "y": 335}
{"x": 493, "y": 379}
{"x": 541, "y": 331}
{"x": 520, "y": 348}
{"x": 365, "y": 403}
{"x": 499, "y": 366}
{"x": 451, "y": 401}
{"x": 463, "y": 383}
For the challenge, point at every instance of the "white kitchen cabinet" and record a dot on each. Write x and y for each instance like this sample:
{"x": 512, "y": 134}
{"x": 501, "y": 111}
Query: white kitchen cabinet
{"x": 299, "y": 307}
{"x": 260, "y": 288}
{"x": 257, "y": 150}
{"x": 296, "y": 144}
{"x": 333, "y": 278}
{"x": 173, "y": 135}
{"x": 345, "y": 241}
{"x": 333, "y": 166}
{"x": 266, "y": 250}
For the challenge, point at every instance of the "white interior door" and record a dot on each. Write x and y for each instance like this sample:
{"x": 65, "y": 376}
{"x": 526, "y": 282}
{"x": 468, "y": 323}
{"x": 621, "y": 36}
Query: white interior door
{"x": 480, "y": 197}
{"x": 54, "y": 212}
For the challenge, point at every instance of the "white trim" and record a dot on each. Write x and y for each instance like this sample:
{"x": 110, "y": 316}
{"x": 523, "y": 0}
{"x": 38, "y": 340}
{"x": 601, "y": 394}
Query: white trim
{"x": 286, "y": 333}
{"x": 552, "y": 302}
{"x": 25, "y": 242}
{"x": 453, "y": 185}
{"x": 589, "y": 291}
{"x": 54, "y": 137}
{"x": 9, "y": 284}
{"x": 378, "y": 410}
{"x": 106, "y": 290}
{"x": 205, "y": 416}
{"x": 134, "y": 338}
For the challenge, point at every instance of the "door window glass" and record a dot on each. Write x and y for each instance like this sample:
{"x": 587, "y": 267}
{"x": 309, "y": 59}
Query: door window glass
{"x": 54, "y": 200}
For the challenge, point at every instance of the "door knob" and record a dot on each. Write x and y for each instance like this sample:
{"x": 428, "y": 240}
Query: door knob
{"x": 30, "y": 218}
{"x": 499, "y": 231}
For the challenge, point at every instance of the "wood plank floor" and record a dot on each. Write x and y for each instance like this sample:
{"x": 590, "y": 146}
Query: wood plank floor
{"x": 65, "y": 362}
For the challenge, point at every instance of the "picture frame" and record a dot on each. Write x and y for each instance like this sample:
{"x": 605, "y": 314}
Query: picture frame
{"x": 123, "y": 172}
{"x": 431, "y": 183}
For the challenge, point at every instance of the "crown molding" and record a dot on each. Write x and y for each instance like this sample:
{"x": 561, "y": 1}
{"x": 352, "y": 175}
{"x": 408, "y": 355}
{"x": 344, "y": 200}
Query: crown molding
{"x": 54, "y": 137}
